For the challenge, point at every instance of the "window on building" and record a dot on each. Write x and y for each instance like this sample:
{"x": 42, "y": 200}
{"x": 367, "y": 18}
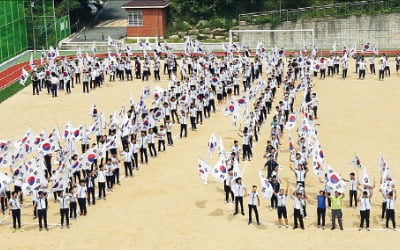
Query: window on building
{"x": 135, "y": 18}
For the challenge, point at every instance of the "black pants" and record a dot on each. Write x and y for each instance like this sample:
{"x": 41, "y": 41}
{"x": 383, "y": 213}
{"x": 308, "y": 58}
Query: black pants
{"x": 68, "y": 86}
{"x": 78, "y": 78}
{"x": 322, "y": 73}
{"x": 174, "y": 113}
{"x": 169, "y": 138}
{"x": 344, "y": 73}
{"x": 129, "y": 74}
{"x": 206, "y": 110}
{"x": 387, "y": 71}
{"x": 145, "y": 75}
{"x": 193, "y": 122}
{"x": 16, "y": 215}
{"x": 247, "y": 151}
{"x": 298, "y": 218}
{"x": 228, "y": 191}
{"x": 274, "y": 201}
{"x": 199, "y": 117}
{"x": 238, "y": 199}
{"x": 361, "y": 74}
{"x": 383, "y": 209}
{"x": 330, "y": 70}
{"x": 212, "y": 104}
{"x": 54, "y": 90}
{"x": 253, "y": 207}
{"x": 64, "y": 213}
{"x": 35, "y": 86}
{"x": 102, "y": 189}
{"x": 128, "y": 167}
{"x": 72, "y": 209}
{"x": 236, "y": 90}
{"x": 381, "y": 74}
{"x": 372, "y": 68}
{"x": 86, "y": 87}
{"x": 183, "y": 128}
{"x": 353, "y": 194}
{"x": 161, "y": 143}
{"x": 42, "y": 214}
{"x": 91, "y": 193}
{"x": 321, "y": 212}
{"x": 364, "y": 217}
{"x": 157, "y": 75}
{"x": 116, "y": 175}
{"x": 143, "y": 154}
{"x": 82, "y": 205}
{"x": 390, "y": 215}
{"x": 135, "y": 161}
{"x": 152, "y": 149}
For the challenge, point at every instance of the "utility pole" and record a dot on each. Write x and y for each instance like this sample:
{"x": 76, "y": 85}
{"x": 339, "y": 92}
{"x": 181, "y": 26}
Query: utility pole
{"x": 32, "y": 4}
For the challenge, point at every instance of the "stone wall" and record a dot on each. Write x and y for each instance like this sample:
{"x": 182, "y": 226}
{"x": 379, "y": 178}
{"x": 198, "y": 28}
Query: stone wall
{"x": 380, "y": 30}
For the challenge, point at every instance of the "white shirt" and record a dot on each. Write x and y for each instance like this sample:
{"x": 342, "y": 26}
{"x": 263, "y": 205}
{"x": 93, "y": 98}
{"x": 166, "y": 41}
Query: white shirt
{"x": 253, "y": 198}
{"x": 297, "y": 203}
{"x": 300, "y": 175}
{"x": 390, "y": 203}
{"x": 365, "y": 204}
{"x": 14, "y": 204}
{"x": 101, "y": 176}
{"x": 281, "y": 200}
{"x": 127, "y": 156}
{"x": 63, "y": 202}
{"x": 41, "y": 203}
{"x": 238, "y": 190}
{"x": 353, "y": 184}
{"x": 81, "y": 192}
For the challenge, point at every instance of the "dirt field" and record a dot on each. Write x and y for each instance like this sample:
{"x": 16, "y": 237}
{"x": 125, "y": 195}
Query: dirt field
{"x": 166, "y": 206}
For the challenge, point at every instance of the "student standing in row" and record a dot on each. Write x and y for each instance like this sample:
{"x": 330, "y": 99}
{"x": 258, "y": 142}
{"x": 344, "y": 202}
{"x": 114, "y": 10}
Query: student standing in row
{"x": 239, "y": 190}
{"x": 254, "y": 201}
{"x": 321, "y": 209}
{"x": 281, "y": 208}
{"x": 390, "y": 212}
{"x": 41, "y": 206}
{"x": 63, "y": 199}
{"x": 336, "y": 206}
{"x": 15, "y": 210}
{"x": 81, "y": 195}
{"x": 365, "y": 208}
{"x": 298, "y": 210}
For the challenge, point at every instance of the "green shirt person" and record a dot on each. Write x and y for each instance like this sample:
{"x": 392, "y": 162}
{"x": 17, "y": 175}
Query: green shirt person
{"x": 336, "y": 208}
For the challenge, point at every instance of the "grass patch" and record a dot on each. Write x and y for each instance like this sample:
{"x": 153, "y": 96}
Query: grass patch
{"x": 12, "y": 90}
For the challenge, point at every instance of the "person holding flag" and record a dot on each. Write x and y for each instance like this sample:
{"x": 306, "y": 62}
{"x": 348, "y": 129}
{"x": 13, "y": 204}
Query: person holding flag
{"x": 298, "y": 201}
{"x": 390, "y": 209}
{"x": 63, "y": 199}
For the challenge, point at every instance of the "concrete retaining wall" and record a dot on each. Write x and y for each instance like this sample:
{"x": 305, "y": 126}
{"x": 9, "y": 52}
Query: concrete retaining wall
{"x": 383, "y": 30}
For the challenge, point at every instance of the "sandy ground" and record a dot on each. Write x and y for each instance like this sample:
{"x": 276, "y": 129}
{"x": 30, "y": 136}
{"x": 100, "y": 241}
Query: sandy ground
{"x": 166, "y": 206}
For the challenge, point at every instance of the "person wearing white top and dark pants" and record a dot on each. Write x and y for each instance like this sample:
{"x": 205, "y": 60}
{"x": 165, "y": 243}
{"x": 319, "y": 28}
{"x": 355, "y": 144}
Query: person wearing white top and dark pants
{"x": 143, "y": 147}
{"x": 127, "y": 155}
{"x": 239, "y": 191}
{"x": 254, "y": 201}
{"x": 101, "y": 179}
{"x": 64, "y": 208}
{"x": 81, "y": 194}
{"x": 298, "y": 213}
{"x": 365, "y": 207}
{"x": 15, "y": 210}
{"x": 41, "y": 206}
{"x": 91, "y": 187}
{"x": 390, "y": 214}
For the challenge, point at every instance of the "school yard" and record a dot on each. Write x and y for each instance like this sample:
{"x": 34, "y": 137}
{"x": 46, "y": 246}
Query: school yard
{"x": 166, "y": 205}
